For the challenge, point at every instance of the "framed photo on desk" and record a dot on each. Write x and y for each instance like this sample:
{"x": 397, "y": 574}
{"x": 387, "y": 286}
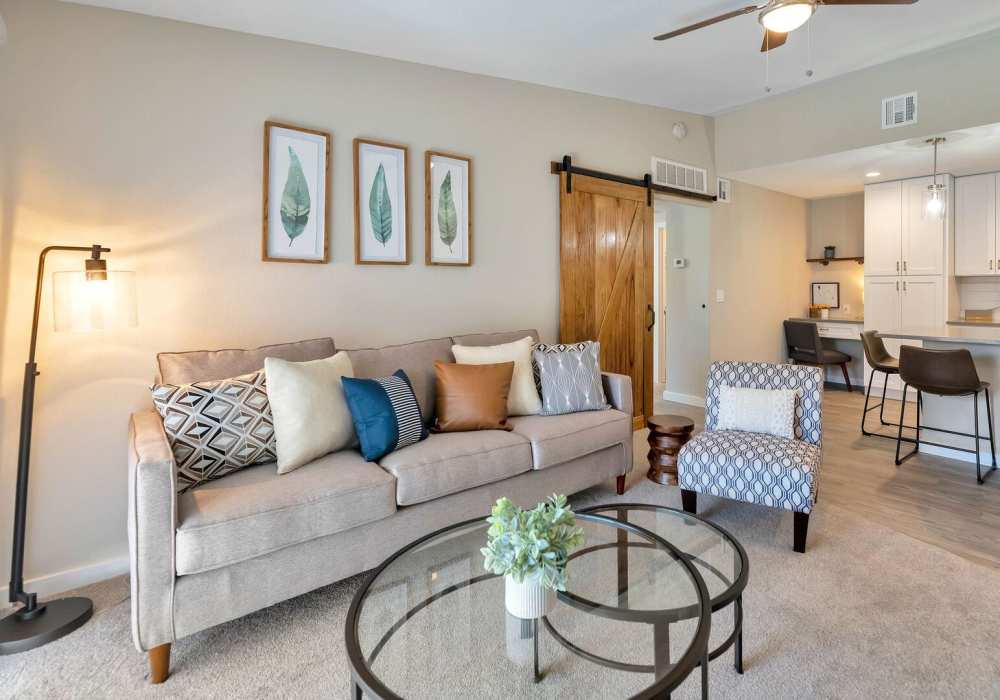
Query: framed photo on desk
{"x": 826, "y": 293}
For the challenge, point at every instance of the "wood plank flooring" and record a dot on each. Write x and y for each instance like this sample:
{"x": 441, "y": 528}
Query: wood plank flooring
{"x": 933, "y": 499}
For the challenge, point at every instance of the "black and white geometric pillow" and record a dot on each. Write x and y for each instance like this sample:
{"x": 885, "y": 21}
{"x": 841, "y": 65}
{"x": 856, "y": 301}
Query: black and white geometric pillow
{"x": 569, "y": 377}
{"x": 215, "y": 428}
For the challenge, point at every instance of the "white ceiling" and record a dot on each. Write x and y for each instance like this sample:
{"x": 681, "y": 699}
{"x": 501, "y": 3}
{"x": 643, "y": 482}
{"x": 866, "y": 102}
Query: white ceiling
{"x": 966, "y": 152}
{"x": 603, "y": 47}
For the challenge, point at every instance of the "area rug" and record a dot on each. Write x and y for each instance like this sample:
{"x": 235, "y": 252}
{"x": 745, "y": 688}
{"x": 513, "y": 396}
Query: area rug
{"x": 865, "y": 613}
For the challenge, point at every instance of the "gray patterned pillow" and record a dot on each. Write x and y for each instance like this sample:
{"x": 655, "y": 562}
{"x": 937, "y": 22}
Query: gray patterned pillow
{"x": 569, "y": 377}
{"x": 215, "y": 428}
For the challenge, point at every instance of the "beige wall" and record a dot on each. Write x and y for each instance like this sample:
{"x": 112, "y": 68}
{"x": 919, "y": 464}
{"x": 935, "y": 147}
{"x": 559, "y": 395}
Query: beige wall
{"x": 839, "y": 221}
{"x": 758, "y": 251}
{"x": 146, "y": 135}
{"x": 957, "y": 84}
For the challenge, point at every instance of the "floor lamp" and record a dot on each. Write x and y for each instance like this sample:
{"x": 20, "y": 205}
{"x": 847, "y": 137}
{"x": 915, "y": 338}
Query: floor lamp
{"x": 90, "y": 299}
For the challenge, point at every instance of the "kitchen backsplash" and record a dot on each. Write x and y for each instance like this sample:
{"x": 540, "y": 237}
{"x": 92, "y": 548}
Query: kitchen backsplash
{"x": 979, "y": 293}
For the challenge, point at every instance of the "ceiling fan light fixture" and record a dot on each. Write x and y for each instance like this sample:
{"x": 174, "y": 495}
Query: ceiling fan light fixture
{"x": 784, "y": 17}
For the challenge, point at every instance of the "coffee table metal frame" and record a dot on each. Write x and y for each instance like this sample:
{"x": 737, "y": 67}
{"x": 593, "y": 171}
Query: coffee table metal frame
{"x": 364, "y": 680}
{"x": 733, "y": 592}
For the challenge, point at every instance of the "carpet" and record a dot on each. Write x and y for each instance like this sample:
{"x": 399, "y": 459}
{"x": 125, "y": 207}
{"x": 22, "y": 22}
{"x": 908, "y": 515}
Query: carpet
{"x": 865, "y": 613}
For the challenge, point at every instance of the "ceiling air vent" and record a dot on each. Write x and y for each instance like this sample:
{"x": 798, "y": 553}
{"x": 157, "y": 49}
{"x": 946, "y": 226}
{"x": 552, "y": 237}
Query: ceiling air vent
{"x": 680, "y": 175}
{"x": 899, "y": 111}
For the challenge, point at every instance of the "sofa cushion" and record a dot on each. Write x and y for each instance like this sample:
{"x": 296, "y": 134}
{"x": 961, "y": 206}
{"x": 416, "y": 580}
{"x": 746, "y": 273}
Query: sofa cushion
{"x": 752, "y": 467}
{"x": 481, "y": 339}
{"x": 450, "y": 462}
{"x": 211, "y": 365}
{"x": 416, "y": 359}
{"x": 558, "y": 439}
{"x": 255, "y": 510}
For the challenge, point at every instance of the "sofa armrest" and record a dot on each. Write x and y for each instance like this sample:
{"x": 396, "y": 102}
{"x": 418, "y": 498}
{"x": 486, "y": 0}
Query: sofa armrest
{"x": 152, "y": 521}
{"x": 618, "y": 389}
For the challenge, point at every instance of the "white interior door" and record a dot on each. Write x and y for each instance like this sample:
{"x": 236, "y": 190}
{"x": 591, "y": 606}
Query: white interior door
{"x": 923, "y": 233}
{"x": 883, "y": 228}
{"x": 976, "y": 225}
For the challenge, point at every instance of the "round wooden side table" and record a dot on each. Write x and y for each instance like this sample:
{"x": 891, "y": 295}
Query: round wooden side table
{"x": 667, "y": 435}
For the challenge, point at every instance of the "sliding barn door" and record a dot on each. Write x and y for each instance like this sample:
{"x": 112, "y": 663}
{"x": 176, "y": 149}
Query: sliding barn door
{"x": 606, "y": 278}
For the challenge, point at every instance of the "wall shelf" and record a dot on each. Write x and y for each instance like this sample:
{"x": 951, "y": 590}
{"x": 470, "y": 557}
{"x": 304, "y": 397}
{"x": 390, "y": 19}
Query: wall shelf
{"x": 826, "y": 261}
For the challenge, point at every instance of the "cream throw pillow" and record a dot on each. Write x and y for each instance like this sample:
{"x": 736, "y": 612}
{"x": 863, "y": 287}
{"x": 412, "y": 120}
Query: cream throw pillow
{"x": 310, "y": 413}
{"x": 523, "y": 399}
{"x": 770, "y": 411}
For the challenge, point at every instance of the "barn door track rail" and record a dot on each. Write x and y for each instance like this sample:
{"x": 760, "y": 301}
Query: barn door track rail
{"x": 646, "y": 181}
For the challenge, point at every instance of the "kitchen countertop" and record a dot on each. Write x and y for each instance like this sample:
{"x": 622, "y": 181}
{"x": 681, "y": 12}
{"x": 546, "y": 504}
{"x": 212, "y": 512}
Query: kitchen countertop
{"x": 829, "y": 320}
{"x": 980, "y": 334}
{"x": 986, "y": 324}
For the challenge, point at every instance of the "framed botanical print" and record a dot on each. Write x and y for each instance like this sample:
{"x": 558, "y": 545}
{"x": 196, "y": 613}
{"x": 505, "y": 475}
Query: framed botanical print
{"x": 296, "y": 194}
{"x": 381, "y": 215}
{"x": 447, "y": 209}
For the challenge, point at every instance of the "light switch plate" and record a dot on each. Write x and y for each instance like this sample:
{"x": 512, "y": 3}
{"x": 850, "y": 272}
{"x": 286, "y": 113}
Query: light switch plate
{"x": 720, "y": 295}
{"x": 680, "y": 263}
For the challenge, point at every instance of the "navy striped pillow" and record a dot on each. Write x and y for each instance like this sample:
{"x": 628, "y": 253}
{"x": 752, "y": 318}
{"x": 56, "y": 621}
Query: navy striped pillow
{"x": 385, "y": 412}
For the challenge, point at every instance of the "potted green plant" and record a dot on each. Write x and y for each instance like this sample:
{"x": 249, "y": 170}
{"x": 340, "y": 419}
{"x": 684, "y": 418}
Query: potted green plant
{"x": 530, "y": 549}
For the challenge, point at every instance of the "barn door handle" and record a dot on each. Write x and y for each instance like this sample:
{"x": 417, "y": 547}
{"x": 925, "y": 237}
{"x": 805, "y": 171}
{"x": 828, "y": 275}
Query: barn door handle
{"x": 652, "y": 317}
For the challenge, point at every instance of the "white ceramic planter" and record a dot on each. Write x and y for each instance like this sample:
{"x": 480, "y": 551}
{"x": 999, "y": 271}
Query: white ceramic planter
{"x": 528, "y": 600}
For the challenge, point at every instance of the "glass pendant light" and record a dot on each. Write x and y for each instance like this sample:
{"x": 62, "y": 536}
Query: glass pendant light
{"x": 936, "y": 193}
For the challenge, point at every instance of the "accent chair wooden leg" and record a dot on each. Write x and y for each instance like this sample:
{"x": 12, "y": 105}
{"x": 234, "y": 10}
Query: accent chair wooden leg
{"x": 689, "y": 500}
{"x": 801, "y": 528}
{"x": 159, "y": 663}
{"x": 621, "y": 485}
{"x": 847, "y": 377}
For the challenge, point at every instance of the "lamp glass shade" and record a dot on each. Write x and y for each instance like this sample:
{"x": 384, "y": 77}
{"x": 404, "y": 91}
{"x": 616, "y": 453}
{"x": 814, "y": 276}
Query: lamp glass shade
{"x": 81, "y": 305}
{"x": 787, "y": 17}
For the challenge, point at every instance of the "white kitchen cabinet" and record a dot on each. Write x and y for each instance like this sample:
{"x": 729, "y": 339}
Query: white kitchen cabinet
{"x": 976, "y": 225}
{"x": 883, "y": 228}
{"x": 921, "y": 302}
{"x": 923, "y": 233}
{"x": 899, "y": 303}
{"x": 882, "y": 303}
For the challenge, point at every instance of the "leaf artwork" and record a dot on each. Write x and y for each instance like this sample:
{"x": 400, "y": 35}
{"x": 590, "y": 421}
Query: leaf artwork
{"x": 295, "y": 201}
{"x": 447, "y": 216}
{"x": 380, "y": 208}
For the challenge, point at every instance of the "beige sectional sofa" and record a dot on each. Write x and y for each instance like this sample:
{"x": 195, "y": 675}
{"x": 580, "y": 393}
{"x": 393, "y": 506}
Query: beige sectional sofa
{"x": 255, "y": 538}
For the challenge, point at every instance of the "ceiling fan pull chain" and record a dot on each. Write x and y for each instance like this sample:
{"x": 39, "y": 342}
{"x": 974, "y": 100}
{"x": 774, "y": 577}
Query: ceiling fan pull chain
{"x": 809, "y": 42}
{"x": 767, "y": 63}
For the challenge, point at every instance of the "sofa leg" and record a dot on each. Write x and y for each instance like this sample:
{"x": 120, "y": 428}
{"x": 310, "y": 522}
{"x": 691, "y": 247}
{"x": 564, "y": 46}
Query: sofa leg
{"x": 689, "y": 500}
{"x": 621, "y": 485}
{"x": 801, "y": 528}
{"x": 159, "y": 663}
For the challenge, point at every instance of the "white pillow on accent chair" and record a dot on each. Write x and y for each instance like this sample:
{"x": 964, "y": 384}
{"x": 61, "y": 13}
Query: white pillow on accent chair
{"x": 308, "y": 407}
{"x": 770, "y": 411}
{"x": 523, "y": 399}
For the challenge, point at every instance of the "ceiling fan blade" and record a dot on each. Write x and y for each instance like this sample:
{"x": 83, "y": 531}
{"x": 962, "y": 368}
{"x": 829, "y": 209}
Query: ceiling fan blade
{"x": 705, "y": 23}
{"x": 867, "y": 2}
{"x": 772, "y": 40}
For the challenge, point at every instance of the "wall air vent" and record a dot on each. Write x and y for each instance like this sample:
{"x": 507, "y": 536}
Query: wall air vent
{"x": 680, "y": 175}
{"x": 899, "y": 111}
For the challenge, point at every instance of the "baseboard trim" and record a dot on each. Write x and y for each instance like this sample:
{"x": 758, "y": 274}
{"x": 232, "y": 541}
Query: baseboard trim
{"x": 53, "y": 584}
{"x": 689, "y": 399}
{"x": 984, "y": 456}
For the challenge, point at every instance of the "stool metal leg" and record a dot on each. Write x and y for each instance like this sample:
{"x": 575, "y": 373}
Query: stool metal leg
{"x": 899, "y": 435}
{"x": 975, "y": 415}
{"x": 881, "y": 408}
{"x": 989, "y": 417}
{"x": 868, "y": 393}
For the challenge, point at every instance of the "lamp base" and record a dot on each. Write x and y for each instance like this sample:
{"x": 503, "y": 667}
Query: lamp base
{"x": 48, "y": 622}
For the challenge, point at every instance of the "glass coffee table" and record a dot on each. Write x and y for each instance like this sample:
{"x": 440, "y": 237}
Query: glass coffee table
{"x": 633, "y": 622}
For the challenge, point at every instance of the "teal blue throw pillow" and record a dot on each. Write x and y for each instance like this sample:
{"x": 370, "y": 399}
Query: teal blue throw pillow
{"x": 385, "y": 412}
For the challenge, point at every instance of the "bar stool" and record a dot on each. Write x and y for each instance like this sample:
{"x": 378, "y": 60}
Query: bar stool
{"x": 879, "y": 360}
{"x": 944, "y": 373}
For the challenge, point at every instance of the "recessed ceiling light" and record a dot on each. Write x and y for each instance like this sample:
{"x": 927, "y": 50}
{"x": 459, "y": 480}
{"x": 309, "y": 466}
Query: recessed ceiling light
{"x": 873, "y": 173}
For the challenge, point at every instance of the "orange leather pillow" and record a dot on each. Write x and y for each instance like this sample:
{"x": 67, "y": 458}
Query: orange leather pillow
{"x": 472, "y": 397}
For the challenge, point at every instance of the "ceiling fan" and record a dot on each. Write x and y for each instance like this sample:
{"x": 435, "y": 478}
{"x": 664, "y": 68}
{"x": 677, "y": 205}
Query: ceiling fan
{"x": 778, "y": 17}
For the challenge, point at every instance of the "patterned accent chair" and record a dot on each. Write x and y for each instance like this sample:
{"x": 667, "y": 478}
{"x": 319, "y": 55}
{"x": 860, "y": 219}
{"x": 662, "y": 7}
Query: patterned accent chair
{"x": 754, "y": 467}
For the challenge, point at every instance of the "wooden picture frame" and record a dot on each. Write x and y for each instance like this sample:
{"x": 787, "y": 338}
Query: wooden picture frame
{"x": 312, "y": 240}
{"x": 460, "y": 196}
{"x": 368, "y": 153}
{"x": 820, "y": 293}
